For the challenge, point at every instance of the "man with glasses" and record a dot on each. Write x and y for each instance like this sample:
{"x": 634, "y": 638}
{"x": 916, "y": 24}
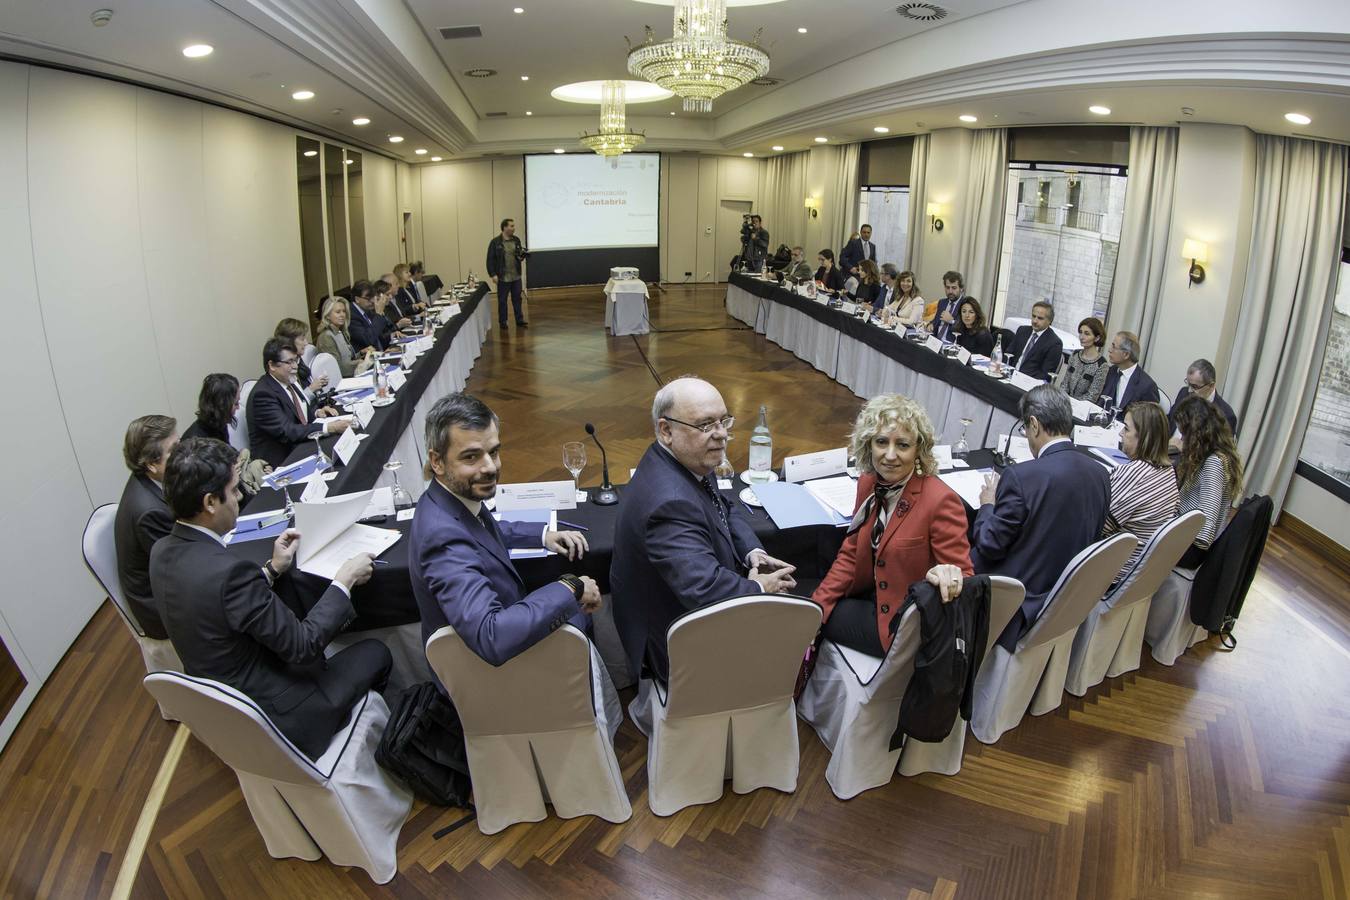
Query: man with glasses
{"x": 280, "y": 416}
{"x": 1202, "y": 381}
{"x": 679, "y": 544}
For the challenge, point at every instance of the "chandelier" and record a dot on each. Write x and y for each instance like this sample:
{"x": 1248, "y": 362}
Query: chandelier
{"x": 699, "y": 63}
{"x": 614, "y": 137}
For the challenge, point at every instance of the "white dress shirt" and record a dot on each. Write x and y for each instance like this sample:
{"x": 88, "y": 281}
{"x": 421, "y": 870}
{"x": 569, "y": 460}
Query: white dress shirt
{"x": 1125, "y": 375}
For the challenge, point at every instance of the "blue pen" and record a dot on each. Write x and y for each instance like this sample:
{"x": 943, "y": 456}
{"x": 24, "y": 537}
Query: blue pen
{"x": 379, "y": 562}
{"x": 573, "y": 525}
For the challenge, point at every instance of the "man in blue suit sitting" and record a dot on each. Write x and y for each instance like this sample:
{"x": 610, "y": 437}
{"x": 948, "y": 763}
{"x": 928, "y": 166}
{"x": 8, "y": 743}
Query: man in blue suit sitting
{"x": 1039, "y": 515}
{"x": 1126, "y": 380}
{"x": 462, "y": 574}
{"x": 679, "y": 545}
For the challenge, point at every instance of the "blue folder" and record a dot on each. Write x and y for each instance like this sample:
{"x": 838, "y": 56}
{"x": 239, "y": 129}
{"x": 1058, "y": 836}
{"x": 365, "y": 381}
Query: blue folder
{"x": 792, "y": 506}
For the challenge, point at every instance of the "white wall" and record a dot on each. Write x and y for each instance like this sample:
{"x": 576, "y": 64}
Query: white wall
{"x": 382, "y": 216}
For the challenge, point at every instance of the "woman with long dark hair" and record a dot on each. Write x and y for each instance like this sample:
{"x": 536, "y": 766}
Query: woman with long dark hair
{"x": 1209, "y": 471}
{"x": 217, "y": 405}
{"x": 972, "y": 331}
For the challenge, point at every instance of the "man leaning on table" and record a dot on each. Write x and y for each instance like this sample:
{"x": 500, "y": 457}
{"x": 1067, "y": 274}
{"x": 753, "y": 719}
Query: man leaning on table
{"x": 1037, "y": 347}
{"x": 280, "y": 416}
{"x": 460, "y": 556}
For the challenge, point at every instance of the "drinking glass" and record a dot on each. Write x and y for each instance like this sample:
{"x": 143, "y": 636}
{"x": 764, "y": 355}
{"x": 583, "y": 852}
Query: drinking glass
{"x": 282, "y": 482}
{"x": 1108, "y": 403}
{"x": 324, "y": 463}
{"x": 402, "y": 500}
{"x": 574, "y": 460}
{"x": 962, "y": 447}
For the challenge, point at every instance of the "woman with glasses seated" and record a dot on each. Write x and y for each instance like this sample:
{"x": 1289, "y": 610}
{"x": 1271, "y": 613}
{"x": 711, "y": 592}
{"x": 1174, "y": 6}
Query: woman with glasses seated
{"x": 908, "y": 526}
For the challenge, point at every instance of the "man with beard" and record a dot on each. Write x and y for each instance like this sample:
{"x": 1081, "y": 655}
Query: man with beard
{"x": 460, "y": 556}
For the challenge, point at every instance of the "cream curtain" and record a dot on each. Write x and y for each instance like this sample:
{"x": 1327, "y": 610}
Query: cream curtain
{"x": 839, "y": 208}
{"x": 782, "y": 200}
{"x": 1297, "y": 221}
{"x": 1136, "y": 296}
{"x": 918, "y": 205}
{"x": 977, "y": 253}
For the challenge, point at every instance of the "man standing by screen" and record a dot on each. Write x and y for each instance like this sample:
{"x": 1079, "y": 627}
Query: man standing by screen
{"x": 505, "y": 255}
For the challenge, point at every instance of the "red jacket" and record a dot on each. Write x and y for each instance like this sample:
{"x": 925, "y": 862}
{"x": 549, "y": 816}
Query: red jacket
{"x": 931, "y": 531}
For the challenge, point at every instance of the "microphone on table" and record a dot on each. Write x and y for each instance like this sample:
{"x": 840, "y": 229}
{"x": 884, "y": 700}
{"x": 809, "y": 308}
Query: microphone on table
{"x": 604, "y": 495}
{"x": 1001, "y": 456}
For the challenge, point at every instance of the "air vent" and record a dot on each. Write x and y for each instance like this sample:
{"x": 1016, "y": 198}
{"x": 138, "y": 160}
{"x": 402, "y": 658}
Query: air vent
{"x": 921, "y": 12}
{"x": 480, "y": 73}
{"x": 494, "y": 115}
{"x": 766, "y": 81}
{"x": 454, "y": 33}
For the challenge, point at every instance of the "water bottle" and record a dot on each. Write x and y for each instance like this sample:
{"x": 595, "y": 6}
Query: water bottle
{"x": 761, "y": 449}
{"x": 378, "y": 380}
{"x": 996, "y": 359}
{"x": 472, "y": 284}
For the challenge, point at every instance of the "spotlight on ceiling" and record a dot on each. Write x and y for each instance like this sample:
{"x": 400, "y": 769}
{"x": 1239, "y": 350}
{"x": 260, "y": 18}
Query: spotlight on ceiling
{"x": 881, "y": 129}
{"x": 1298, "y": 118}
{"x": 197, "y": 51}
{"x": 559, "y": 150}
{"x": 421, "y": 151}
{"x": 822, "y": 140}
{"x": 360, "y": 120}
{"x": 968, "y": 118}
{"x": 395, "y": 138}
{"x": 303, "y": 95}
{"x": 777, "y": 148}
{"x": 1100, "y": 110}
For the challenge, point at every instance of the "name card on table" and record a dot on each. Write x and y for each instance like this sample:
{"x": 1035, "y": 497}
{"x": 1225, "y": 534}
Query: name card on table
{"x": 315, "y": 489}
{"x": 397, "y": 380}
{"x": 1089, "y": 436}
{"x": 536, "y": 495}
{"x": 424, "y": 343}
{"x": 933, "y": 344}
{"x": 409, "y": 357}
{"x": 347, "y": 444}
{"x": 1024, "y": 381}
{"x": 1017, "y": 448}
{"x": 962, "y": 354}
{"x": 364, "y": 411}
{"x": 815, "y": 465}
{"x": 1084, "y": 410}
{"x": 848, "y": 309}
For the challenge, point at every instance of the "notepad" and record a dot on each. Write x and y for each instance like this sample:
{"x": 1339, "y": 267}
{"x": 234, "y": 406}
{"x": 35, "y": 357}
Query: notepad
{"x": 838, "y": 493}
{"x": 968, "y": 484}
{"x": 793, "y": 506}
{"x": 330, "y": 534}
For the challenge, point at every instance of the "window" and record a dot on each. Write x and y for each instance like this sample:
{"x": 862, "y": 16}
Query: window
{"x": 1326, "y": 443}
{"x": 886, "y": 209}
{"x": 1060, "y": 240}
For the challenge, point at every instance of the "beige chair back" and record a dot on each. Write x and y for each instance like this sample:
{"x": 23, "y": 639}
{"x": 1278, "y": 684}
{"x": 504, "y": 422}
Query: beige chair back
{"x": 1080, "y": 586}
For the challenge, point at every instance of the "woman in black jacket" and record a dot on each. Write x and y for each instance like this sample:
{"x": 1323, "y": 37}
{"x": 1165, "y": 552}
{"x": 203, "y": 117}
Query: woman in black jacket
{"x": 217, "y": 405}
{"x": 972, "y": 331}
{"x": 828, "y": 274}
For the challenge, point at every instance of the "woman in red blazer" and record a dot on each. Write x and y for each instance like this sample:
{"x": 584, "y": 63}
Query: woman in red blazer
{"x": 922, "y": 530}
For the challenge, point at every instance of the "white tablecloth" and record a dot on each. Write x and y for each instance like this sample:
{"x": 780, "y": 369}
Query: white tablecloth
{"x": 626, "y": 307}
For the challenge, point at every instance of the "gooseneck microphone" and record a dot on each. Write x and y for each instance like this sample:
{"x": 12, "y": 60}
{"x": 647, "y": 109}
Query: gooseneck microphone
{"x": 605, "y": 494}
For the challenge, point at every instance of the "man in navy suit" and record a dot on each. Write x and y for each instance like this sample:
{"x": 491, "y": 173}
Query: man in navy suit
{"x": 858, "y": 249}
{"x": 1202, "y": 382}
{"x": 1126, "y": 380}
{"x": 462, "y": 574}
{"x": 280, "y": 416}
{"x": 367, "y": 327}
{"x": 1040, "y": 514}
{"x": 143, "y": 516}
{"x": 679, "y": 545}
{"x": 1036, "y": 347}
{"x": 944, "y": 320}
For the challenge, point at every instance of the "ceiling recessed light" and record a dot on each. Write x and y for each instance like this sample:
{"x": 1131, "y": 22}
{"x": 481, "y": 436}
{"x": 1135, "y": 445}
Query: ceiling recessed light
{"x": 421, "y": 151}
{"x": 528, "y": 113}
{"x": 518, "y": 10}
{"x": 968, "y": 118}
{"x": 1100, "y": 110}
{"x": 395, "y": 138}
{"x": 777, "y": 148}
{"x": 197, "y": 51}
{"x": 559, "y": 150}
{"x": 801, "y": 31}
{"x": 747, "y": 155}
{"x": 311, "y": 152}
{"x": 881, "y": 129}
{"x": 360, "y": 120}
{"x": 524, "y": 78}
{"x": 303, "y": 95}
{"x": 435, "y": 159}
{"x": 1298, "y": 118}
{"x": 822, "y": 140}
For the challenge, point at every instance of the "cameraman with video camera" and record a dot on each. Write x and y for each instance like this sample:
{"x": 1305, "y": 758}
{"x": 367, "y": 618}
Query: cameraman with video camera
{"x": 505, "y": 254}
{"x": 754, "y": 243}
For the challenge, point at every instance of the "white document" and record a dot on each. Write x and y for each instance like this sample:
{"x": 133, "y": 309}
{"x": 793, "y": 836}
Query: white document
{"x": 354, "y": 383}
{"x": 330, "y": 535}
{"x": 397, "y": 379}
{"x": 933, "y": 344}
{"x": 1091, "y": 436}
{"x": 1082, "y": 409}
{"x": 815, "y": 465}
{"x": 943, "y": 454}
{"x": 315, "y": 489}
{"x": 967, "y": 483}
{"x": 536, "y": 495}
{"x": 838, "y": 494}
{"x": 347, "y": 444}
{"x": 381, "y": 503}
{"x": 405, "y": 515}
{"x": 364, "y": 411}
{"x": 962, "y": 354}
{"x": 1024, "y": 381}
{"x": 409, "y": 357}
{"x": 1017, "y": 448}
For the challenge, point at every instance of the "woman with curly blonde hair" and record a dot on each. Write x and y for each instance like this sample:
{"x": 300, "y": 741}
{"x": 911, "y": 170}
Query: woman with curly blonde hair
{"x": 907, "y": 526}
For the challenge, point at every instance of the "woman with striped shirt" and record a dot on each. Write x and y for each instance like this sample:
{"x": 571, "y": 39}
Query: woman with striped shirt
{"x": 1209, "y": 471}
{"x": 1144, "y": 495}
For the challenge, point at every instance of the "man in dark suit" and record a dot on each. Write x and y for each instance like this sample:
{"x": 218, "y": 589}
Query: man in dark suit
{"x": 142, "y": 515}
{"x": 279, "y": 414}
{"x": 1036, "y": 347}
{"x": 1126, "y": 380}
{"x": 1036, "y": 517}
{"x": 679, "y": 545}
{"x": 367, "y": 327}
{"x": 460, "y": 557}
{"x": 228, "y": 625}
{"x": 1202, "y": 382}
{"x": 944, "y": 319}
{"x": 858, "y": 249}
{"x": 393, "y": 310}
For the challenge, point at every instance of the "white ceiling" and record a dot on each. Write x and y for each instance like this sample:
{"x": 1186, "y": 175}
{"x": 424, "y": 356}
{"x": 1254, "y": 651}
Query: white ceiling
{"x": 859, "y": 65}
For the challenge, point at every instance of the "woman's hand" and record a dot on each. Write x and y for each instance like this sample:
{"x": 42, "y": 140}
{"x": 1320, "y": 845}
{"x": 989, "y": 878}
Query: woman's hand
{"x": 947, "y": 579}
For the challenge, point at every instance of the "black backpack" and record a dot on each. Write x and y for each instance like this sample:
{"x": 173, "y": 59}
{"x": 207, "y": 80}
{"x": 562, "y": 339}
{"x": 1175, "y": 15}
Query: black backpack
{"x": 423, "y": 745}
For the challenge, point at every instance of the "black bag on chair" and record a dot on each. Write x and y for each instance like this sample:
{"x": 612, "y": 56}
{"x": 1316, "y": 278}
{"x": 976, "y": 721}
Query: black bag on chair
{"x": 423, "y": 744}
{"x": 1222, "y": 580}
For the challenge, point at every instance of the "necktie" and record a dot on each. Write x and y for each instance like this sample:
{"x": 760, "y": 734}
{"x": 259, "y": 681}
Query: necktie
{"x": 300, "y": 411}
{"x": 711, "y": 488}
{"x": 489, "y": 523}
{"x": 1026, "y": 354}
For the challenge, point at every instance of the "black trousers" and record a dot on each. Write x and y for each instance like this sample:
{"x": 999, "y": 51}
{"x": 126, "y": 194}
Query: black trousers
{"x": 853, "y": 624}
{"x": 508, "y": 289}
{"x": 315, "y": 708}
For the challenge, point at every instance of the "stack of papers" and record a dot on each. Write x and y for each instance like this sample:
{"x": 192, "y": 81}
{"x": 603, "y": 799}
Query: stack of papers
{"x": 838, "y": 494}
{"x": 330, "y": 534}
{"x": 793, "y": 506}
{"x": 967, "y": 484}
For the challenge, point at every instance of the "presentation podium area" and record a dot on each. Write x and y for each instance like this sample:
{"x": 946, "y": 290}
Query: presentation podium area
{"x": 626, "y": 307}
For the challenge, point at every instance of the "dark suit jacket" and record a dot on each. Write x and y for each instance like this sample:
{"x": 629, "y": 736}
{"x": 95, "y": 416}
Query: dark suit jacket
{"x": 398, "y": 307}
{"x": 408, "y": 300}
{"x": 366, "y": 329}
{"x": 853, "y": 253}
{"x": 274, "y": 429}
{"x": 1045, "y": 356}
{"x": 1044, "y": 513}
{"x": 833, "y": 280}
{"x": 227, "y": 625}
{"x": 1141, "y": 387}
{"x": 671, "y": 555}
{"x": 869, "y": 294}
{"x": 1219, "y": 402}
{"x": 981, "y": 342}
{"x": 462, "y": 576}
{"x": 142, "y": 519}
{"x": 946, "y": 305}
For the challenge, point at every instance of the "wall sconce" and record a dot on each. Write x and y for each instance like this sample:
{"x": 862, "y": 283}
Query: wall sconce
{"x": 1197, "y": 252}
{"x": 934, "y": 213}
{"x": 813, "y": 206}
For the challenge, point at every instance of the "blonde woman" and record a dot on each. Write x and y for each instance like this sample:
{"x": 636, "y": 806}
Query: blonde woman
{"x": 333, "y": 338}
{"x": 906, "y": 520}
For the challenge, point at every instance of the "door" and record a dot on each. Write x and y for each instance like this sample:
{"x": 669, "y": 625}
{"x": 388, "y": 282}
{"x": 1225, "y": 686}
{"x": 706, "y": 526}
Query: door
{"x": 728, "y": 237}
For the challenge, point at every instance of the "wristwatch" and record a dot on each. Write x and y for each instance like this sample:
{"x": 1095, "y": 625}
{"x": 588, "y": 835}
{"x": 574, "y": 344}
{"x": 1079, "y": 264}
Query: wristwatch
{"x": 573, "y": 582}
{"x": 271, "y": 571}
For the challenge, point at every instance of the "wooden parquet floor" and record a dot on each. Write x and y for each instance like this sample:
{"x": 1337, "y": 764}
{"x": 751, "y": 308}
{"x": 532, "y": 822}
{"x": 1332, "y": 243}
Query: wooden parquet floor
{"x": 1227, "y": 775}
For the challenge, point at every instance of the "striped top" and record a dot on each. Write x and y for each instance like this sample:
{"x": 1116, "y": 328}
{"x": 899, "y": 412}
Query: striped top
{"x": 1144, "y": 498}
{"x": 1207, "y": 494}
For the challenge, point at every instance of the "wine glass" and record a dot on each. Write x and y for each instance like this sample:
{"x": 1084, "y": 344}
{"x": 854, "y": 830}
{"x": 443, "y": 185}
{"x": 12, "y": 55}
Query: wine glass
{"x": 574, "y": 460}
{"x": 282, "y": 482}
{"x": 1108, "y": 405}
{"x": 962, "y": 446}
{"x": 324, "y": 463}
{"x": 402, "y": 500}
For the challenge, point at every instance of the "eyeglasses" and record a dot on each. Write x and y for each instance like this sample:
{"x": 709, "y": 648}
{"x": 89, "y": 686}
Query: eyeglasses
{"x": 706, "y": 427}
{"x": 288, "y": 362}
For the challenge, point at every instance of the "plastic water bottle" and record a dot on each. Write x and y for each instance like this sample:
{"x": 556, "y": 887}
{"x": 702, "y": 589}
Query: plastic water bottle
{"x": 997, "y": 358}
{"x": 761, "y": 449}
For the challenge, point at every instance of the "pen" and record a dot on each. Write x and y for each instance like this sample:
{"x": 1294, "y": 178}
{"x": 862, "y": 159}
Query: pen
{"x": 379, "y": 562}
{"x": 573, "y": 525}
{"x": 748, "y": 508}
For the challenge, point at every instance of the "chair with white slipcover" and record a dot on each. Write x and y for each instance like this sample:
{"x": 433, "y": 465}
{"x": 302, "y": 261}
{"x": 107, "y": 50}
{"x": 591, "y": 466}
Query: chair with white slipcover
{"x": 1169, "y": 630}
{"x": 326, "y": 364}
{"x": 341, "y": 805}
{"x": 238, "y": 432}
{"x": 537, "y": 729}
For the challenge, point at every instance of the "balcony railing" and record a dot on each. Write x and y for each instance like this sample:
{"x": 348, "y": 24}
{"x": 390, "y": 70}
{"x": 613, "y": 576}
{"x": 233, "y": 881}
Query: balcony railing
{"x": 1059, "y": 216}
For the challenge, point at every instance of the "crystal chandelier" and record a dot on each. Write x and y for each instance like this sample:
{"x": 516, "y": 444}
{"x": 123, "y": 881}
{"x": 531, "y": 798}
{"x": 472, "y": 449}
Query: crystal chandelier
{"x": 699, "y": 63}
{"x": 614, "y": 137}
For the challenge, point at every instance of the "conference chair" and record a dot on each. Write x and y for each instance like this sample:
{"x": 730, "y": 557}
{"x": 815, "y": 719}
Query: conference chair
{"x": 308, "y": 354}
{"x": 100, "y": 556}
{"x": 1033, "y": 674}
{"x": 326, "y": 364}
{"x": 538, "y": 729}
{"x": 1110, "y": 640}
{"x": 917, "y": 757}
{"x": 405, "y": 647}
{"x": 727, "y": 711}
{"x": 341, "y": 805}
{"x": 1164, "y": 399}
{"x": 238, "y": 432}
